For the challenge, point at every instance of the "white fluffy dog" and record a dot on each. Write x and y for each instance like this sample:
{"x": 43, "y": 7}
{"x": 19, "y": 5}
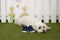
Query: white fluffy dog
{"x": 36, "y": 24}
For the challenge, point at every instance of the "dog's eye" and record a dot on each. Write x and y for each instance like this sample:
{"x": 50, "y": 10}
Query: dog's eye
{"x": 39, "y": 28}
{"x": 43, "y": 26}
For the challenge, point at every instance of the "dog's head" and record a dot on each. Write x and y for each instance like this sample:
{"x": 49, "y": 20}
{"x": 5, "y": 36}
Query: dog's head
{"x": 42, "y": 28}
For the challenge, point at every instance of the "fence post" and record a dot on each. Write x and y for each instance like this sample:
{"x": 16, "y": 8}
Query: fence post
{"x": 53, "y": 11}
{"x": 3, "y": 14}
{"x": 46, "y": 11}
{"x": 59, "y": 10}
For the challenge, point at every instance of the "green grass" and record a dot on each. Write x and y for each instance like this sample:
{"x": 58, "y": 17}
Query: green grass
{"x": 13, "y": 32}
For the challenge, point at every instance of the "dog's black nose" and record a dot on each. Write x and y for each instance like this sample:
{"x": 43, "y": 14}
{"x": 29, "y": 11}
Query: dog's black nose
{"x": 44, "y": 31}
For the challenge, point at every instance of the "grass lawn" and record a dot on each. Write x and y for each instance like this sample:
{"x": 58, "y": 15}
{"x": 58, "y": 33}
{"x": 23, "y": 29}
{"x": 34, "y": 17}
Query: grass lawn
{"x": 13, "y": 32}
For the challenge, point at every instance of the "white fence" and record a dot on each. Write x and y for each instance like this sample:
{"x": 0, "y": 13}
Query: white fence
{"x": 44, "y": 9}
